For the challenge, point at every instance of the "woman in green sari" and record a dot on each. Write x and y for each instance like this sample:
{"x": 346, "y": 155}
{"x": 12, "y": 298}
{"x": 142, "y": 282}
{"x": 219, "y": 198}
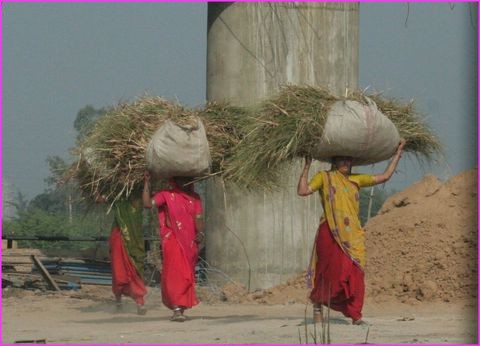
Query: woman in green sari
{"x": 127, "y": 252}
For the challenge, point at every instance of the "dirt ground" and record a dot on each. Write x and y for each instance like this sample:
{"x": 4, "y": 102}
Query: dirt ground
{"x": 421, "y": 287}
{"x": 85, "y": 318}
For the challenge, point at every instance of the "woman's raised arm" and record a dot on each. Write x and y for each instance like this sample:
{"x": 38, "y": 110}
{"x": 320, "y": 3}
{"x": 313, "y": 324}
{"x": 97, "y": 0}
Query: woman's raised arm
{"x": 385, "y": 176}
{"x": 303, "y": 189}
{"x": 147, "y": 199}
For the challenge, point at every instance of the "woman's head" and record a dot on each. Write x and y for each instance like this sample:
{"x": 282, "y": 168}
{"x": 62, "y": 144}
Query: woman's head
{"x": 184, "y": 183}
{"x": 343, "y": 164}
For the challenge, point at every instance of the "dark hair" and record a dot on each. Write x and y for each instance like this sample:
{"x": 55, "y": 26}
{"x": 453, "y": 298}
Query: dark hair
{"x": 185, "y": 183}
{"x": 339, "y": 157}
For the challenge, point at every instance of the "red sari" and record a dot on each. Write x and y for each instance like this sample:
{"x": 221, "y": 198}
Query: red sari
{"x": 177, "y": 212}
{"x": 338, "y": 282}
{"x": 125, "y": 278}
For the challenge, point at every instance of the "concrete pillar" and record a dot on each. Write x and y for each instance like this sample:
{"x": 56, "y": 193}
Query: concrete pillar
{"x": 253, "y": 48}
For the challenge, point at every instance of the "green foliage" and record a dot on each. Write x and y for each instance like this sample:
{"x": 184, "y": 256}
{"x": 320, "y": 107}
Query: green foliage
{"x": 86, "y": 118}
{"x": 49, "y": 201}
{"x": 37, "y": 222}
{"x": 20, "y": 203}
{"x": 59, "y": 211}
{"x": 58, "y": 168}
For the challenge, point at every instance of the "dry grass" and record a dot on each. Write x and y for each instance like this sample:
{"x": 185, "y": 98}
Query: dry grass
{"x": 292, "y": 123}
{"x": 111, "y": 160}
{"x": 412, "y": 126}
{"x": 285, "y": 127}
{"x": 250, "y": 146}
{"x": 226, "y": 126}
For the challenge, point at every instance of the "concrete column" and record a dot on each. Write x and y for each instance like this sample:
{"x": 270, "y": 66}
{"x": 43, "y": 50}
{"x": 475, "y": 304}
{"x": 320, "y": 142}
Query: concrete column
{"x": 253, "y": 48}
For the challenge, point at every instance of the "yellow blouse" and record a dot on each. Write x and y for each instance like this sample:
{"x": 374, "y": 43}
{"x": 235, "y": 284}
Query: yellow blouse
{"x": 361, "y": 180}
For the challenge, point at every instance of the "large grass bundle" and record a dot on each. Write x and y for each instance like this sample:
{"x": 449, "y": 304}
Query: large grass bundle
{"x": 282, "y": 128}
{"x": 226, "y": 126}
{"x": 111, "y": 160}
{"x": 292, "y": 123}
{"x": 411, "y": 125}
{"x": 249, "y": 145}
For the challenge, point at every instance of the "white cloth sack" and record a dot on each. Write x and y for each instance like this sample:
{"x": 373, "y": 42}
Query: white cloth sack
{"x": 357, "y": 130}
{"x": 179, "y": 150}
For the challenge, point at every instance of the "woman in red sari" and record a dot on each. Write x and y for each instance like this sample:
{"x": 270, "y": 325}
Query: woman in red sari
{"x": 181, "y": 229}
{"x": 338, "y": 259}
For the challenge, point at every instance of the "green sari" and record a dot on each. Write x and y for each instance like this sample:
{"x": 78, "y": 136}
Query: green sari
{"x": 128, "y": 216}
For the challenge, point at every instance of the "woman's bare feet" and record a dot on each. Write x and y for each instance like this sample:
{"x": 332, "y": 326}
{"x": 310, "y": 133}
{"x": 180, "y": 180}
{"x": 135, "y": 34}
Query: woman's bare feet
{"x": 141, "y": 310}
{"x": 178, "y": 315}
{"x": 360, "y": 322}
{"x": 118, "y": 304}
{"x": 317, "y": 314}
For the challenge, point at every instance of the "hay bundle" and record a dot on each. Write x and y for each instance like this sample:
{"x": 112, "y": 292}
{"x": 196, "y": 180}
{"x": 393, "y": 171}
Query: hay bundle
{"x": 249, "y": 145}
{"x": 111, "y": 160}
{"x": 357, "y": 130}
{"x": 179, "y": 150}
{"x": 292, "y": 123}
{"x": 226, "y": 127}
{"x": 411, "y": 125}
{"x": 282, "y": 128}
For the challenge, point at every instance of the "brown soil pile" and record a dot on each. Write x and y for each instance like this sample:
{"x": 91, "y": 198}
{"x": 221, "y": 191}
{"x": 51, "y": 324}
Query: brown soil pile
{"x": 293, "y": 291}
{"x": 423, "y": 244}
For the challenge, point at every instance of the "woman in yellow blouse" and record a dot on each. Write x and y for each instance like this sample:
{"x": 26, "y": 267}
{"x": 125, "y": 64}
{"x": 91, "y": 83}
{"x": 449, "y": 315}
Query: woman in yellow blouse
{"x": 338, "y": 259}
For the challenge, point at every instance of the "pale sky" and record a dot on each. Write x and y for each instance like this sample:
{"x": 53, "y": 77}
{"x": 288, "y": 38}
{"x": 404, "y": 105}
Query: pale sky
{"x": 59, "y": 57}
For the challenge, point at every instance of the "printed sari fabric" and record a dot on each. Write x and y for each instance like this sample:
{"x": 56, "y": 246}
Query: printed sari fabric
{"x": 178, "y": 210}
{"x": 337, "y": 281}
{"x": 338, "y": 257}
{"x": 127, "y": 251}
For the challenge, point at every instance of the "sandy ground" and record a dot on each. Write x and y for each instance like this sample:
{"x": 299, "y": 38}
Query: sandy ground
{"x": 83, "y": 318}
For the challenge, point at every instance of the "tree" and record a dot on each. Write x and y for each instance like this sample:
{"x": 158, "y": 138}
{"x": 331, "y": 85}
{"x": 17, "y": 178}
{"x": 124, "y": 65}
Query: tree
{"x": 59, "y": 210}
{"x": 20, "y": 203}
{"x": 85, "y": 120}
{"x": 58, "y": 169}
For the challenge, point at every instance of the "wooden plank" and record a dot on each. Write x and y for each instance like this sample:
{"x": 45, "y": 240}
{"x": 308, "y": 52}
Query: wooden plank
{"x": 57, "y": 278}
{"x": 92, "y": 283}
{"x": 45, "y": 274}
{"x": 87, "y": 275}
{"x": 37, "y": 341}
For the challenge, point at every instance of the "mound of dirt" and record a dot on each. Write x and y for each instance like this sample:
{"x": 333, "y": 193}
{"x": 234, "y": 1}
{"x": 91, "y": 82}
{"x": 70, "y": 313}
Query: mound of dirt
{"x": 293, "y": 291}
{"x": 423, "y": 244}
